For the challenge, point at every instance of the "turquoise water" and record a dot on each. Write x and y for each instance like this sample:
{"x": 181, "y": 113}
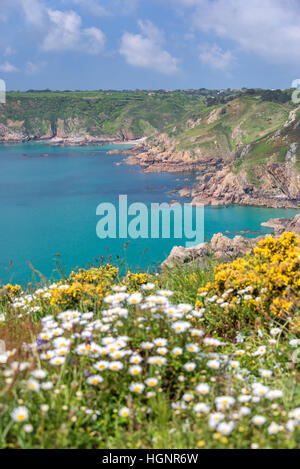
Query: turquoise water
{"x": 48, "y": 200}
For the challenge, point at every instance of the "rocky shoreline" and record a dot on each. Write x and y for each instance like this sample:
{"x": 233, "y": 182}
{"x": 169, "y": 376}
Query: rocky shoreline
{"x": 277, "y": 184}
{"x": 73, "y": 141}
{"x": 226, "y": 249}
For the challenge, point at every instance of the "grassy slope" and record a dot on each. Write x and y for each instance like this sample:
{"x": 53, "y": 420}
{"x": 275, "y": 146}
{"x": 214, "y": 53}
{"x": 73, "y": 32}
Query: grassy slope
{"x": 239, "y": 122}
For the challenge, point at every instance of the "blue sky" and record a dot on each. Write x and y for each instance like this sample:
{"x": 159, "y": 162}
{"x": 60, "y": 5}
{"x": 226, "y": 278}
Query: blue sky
{"x": 149, "y": 44}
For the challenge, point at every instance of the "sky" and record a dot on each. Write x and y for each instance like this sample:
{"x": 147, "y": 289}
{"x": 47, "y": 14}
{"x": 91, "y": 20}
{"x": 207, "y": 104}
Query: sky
{"x": 149, "y": 44}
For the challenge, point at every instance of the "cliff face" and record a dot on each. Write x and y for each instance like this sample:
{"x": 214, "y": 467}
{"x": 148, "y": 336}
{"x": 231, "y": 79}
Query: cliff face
{"x": 279, "y": 186}
{"x": 271, "y": 184}
{"x": 69, "y": 132}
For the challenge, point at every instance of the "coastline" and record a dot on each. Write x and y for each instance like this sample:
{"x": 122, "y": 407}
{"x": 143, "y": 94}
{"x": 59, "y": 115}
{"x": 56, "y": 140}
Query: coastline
{"x": 216, "y": 186}
{"x": 75, "y": 141}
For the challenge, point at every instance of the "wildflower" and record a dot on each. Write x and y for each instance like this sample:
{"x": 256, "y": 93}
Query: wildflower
{"x": 28, "y": 428}
{"x": 61, "y": 342}
{"x": 187, "y": 397}
{"x": 148, "y": 286}
{"x": 185, "y": 307}
{"x": 214, "y": 419}
{"x": 210, "y": 341}
{"x": 203, "y": 388}
{"x": 275, "y": 331}
{"x": 294, "y": 342}
{"x": 180, "y": 326}
{"x": 20, "y": 414}
{"x": 47, "y": 385}
{"x": 177, "y": 351}
{"x": 265, "y": 373}
{"x": 201, "y": 408}
{"x": 197, "y": 333}
{"x": 225, "y": 428}
{"x": 296, "y": 414}
{"x": 94, "y": 380}
{"x": 47, "y": 335}
{"x": 224, "y": 402}
{"x": 39, "y": 374}
{"x": 115, "y": 366}
{"x": 56, "y": 361}
{"x": 192, "y": 348}
{"x": 260, "y": 351}
{"x": 258, "y": 420}
{"x": 273, "y": 429}
{"x": 162, "y": 350}
{"x": 214, "y": 364}
{"x": 244, "y": 411}
{"x": 134, "y": 299}
{"x": 151, "y": 382}
{"x": 259, "y": 389}
{"x": 157, "y": 360}
{"x": 137, "y": 387}
{"x": 147, "y": 345}
{"x": 33, "y": 385}
{"x": 274, "y": 394}
{"x": 135, "y": 370}
{"x": 234, "y": 364}
{"x": 190, "y": 366}
{"x": 160, "y": 342}
{"x": 136, "y": 359}
{"x": 124, "y": 412}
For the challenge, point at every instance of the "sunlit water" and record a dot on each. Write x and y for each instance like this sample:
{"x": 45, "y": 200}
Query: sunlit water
{"x": 48, "y": 201}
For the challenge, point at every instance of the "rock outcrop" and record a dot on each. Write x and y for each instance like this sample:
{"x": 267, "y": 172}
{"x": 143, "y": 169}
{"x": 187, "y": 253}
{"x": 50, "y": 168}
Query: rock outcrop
{"x": 221, "y": 247}
{"x": 279, "y": 187}
{"x": 279, "y": 225}
{"x": 225, "y": 249}
{"x": 161, "y": 155}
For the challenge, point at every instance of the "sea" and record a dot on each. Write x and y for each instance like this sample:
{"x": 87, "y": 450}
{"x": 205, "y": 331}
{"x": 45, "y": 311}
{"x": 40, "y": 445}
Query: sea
{"x": 48, "y": 211}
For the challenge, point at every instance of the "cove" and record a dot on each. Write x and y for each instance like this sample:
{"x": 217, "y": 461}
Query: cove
{"x": 48, "y": 200}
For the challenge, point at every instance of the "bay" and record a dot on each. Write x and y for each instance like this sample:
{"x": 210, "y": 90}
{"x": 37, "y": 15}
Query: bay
{"x": 48, "y": 200}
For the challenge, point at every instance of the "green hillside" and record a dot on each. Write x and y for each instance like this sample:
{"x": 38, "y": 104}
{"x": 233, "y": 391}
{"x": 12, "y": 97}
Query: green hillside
{"x": 197, "y": 120}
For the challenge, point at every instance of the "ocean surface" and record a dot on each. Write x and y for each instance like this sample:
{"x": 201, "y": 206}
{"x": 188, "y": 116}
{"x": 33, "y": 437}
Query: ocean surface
{"x": 48, "y": 201}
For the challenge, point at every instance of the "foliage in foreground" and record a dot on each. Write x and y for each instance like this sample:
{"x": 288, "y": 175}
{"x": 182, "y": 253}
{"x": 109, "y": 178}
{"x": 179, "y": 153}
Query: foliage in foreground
{"x": 146, "y": 362}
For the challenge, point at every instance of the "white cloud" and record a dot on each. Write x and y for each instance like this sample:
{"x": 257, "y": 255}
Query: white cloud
{"x": 7, "y": 67}
{"x": 33, "y": 11}
{"x": 269, "y": 28}
{"x": 145, "y": 50}
{"x": 65, "y": 33}
{"x": 94, "y": 6}
{"x": 215, "y": 57}
{"x": 58, "y": 30}
{"x": 32, "y": 68}
{"x": 8, "y": 51}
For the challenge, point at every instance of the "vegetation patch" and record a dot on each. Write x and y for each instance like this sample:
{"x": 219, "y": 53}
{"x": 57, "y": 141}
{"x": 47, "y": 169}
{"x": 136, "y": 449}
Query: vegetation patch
{"x": 189, "y": 358}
